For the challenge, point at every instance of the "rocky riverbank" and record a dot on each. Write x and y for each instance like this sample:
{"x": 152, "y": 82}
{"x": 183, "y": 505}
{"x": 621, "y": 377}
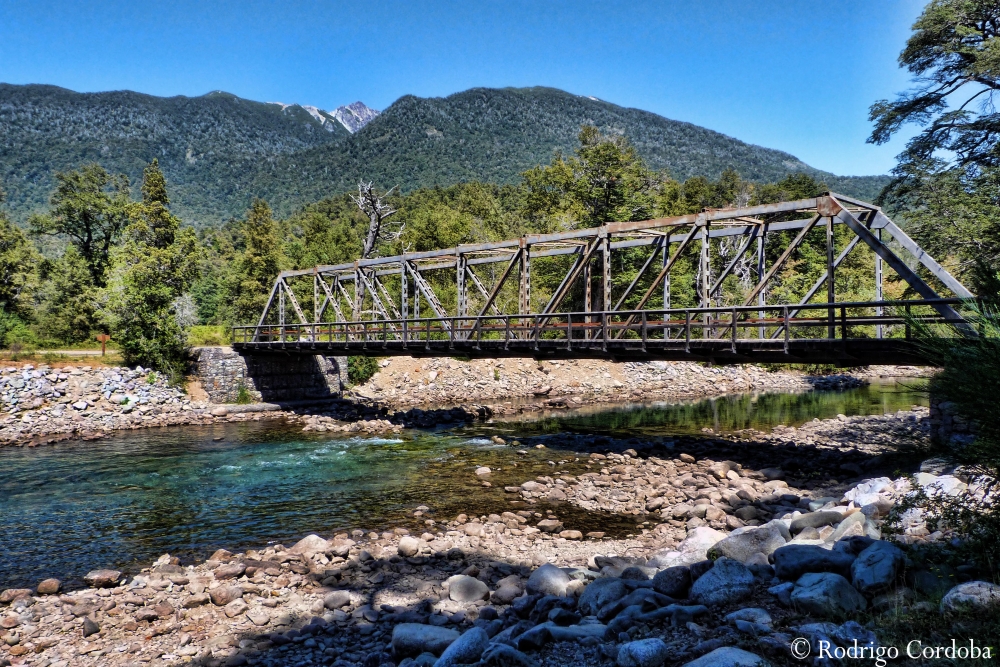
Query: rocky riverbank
{"x": 737, "y": 551}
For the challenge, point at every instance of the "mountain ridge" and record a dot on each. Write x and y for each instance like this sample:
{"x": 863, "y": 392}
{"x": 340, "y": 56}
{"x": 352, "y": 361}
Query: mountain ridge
{"x": 219, "y": 151}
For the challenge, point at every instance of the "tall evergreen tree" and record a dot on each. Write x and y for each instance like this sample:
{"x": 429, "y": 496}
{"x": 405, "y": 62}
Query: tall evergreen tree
{"x": 152, "y": 269}
{"x": 257, "y": 266}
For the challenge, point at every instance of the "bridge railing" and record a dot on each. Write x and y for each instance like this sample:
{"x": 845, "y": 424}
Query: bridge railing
{"x": 767, "y": 326}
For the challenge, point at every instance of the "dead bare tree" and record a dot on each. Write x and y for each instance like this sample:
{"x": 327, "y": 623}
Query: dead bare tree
{"x": 380, "y": 229}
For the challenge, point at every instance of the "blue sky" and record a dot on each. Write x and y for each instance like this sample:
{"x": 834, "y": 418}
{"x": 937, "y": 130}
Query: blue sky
{"x": 796, "y": 75}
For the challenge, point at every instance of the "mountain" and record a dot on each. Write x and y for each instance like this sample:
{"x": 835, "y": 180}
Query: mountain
{"x": 219, "y": 150}
{"x": 354, "y": 116}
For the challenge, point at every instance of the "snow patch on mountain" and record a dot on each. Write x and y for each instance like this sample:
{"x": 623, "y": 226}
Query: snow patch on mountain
{"x": 354, "y": 116}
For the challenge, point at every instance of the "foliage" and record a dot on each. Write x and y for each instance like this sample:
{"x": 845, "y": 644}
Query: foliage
{"x": 256, "y": 268}
{"x": 361, "y": 369}
{"x": 218, "y": 150}
{"x": 18, "y": 258}
{"x": 208, "y": 335}
{"x": 243, "y": 395}
{"x": 954, "y": 55}
{"x": 152, "y": 269}
{"x": 90, "y": 208}
{"x": 969, "y": 380}
{"x": 68, "y": 302}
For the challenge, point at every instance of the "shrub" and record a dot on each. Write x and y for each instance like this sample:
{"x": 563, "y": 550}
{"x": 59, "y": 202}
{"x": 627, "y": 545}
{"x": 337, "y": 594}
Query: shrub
{"x": 210, "y": 334}
{"x": 361, "y": 369}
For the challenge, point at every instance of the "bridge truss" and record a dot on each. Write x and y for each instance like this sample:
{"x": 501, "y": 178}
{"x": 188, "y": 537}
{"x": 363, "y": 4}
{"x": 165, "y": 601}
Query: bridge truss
{"x": 478, "y": 300}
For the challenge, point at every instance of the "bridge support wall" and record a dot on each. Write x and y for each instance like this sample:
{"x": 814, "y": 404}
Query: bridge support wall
{"x": 268, "y": 377}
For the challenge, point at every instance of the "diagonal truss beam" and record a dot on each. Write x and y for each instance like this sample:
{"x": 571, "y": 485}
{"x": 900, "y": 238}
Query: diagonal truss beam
{"x": 514, "y": 261}
{"x": 754, "y": 233}
{"x": 796, "y": 242}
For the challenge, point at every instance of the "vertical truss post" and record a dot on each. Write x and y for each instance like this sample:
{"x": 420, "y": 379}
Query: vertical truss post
{"x": 404, "y": 289}
{"x": 761, "y": 298}
{"x": 878, "y": 286}
{"x": 460, "y": 267}
{"x": 587, "y": 298}
{"x": 606, "y": 303}
{"x": 281, "y": 308}
{"x": 666, "y": 284}
{"x": 704, "y": 287}
{"x": 359, "y": 295}
{"x": 315, "y": 296}
{"x": 524, "y": 293}
{"x": 831, "y": 294}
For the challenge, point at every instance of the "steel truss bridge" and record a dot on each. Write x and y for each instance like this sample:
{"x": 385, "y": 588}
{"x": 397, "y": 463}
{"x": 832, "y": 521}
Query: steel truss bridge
{"x": 376, "y": 303}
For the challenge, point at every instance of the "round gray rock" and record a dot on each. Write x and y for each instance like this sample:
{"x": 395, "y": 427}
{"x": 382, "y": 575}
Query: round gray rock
{"x": 745, "y": 543}
{"x": 415, "y": 638}
{"x": 877, "y": 568}
{"x": 337, "y": 599}
{"x": 971, "y": 596}
{"x": 463, "y": 588}
{"x": 673, "y": 582}
{"x": 465, "y": 650}
{"x": 643, "y": 653}
{"x": 548, "y": 580}
{"x": 728, "y": 656}
{"x": 728, "y": 581}
{"x": 826, "y": 594}
{"x": 599, "y": 593}
{"x": 408, "y": 546}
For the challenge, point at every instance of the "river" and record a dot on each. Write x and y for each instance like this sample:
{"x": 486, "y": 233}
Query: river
{"x": 75, "y": 506}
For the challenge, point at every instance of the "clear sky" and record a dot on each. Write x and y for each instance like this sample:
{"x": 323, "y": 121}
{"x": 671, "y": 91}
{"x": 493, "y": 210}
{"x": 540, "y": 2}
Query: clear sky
{"x": 797, "y": 75}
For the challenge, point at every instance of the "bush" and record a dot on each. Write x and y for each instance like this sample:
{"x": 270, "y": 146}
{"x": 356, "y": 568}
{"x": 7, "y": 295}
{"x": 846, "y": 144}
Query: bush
{"x": 970, "y": 380}
{"x": 210, "y": 334}
{"x": 361, "y": 369}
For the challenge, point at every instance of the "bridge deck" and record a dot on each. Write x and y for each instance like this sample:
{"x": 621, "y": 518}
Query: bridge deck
{"x": 864, "y": 333}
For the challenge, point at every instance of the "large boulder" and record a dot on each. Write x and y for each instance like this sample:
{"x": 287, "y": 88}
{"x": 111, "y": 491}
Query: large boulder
{"x": 601, "y": 592}
{"x": 643, "y": 653}
{"x": 793, "y": 560}
{"x": 745, "y": 542}
{"x": 729, "y": 656}
{"x": 408, "y": 546}
{"x": 972, "y": 596}
{"x": 673, "y": 582}
{"x": 694, "y": 548}
{"x": 728, "y": 581}
{"x": 548, "y": 580}
{"x": 463, "y": 588}
{"x": 415, "y": 638}
{"x": 465, "y": 650}
{"x": 826, "y": 594}
{"x": 877, "y": 568}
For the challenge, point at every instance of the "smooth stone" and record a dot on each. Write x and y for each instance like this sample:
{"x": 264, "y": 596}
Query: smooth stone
{"x": 49, "y": 587}
{"x": 852, "y": 524}
{"x": 12, "y": 594}
{"x": 463, "y": 588}
{"x": 728, "y": 581}
{"x": 673, "y": 582}
{"x": 826, "y": 594}
{"x": 601, "y": 592}
{"x": 90, "y": 627}
{"x": 643, "y": 653}
{"x": 102, "y": 578}
{"x": 745, "y": 543}
{"x": 223, "y": 595}
{"x": 502, "y": 655}
{"x": 729, "y": 656}
{"x": 408, "y": 546}
{"x": 337, "y": 599}
{"x": 693, "y": 549}
{"x": 793, "y": 560}
{"x": 505, "y": 594}
{"x": 971, "y": 596}
{"x": 466, "y": 649}
{"x": 751, "y": 614}
{"x": 783, "y": 592}
{"x": 815, "y": 520}
{"x": 877, "y": 568}
{"x": 415, "y": 638}
{"x": 235, "y": 608}
{"x": 310, "y": 544}
{"x": 548, "y": 580}
{"x": 549, "y": 525}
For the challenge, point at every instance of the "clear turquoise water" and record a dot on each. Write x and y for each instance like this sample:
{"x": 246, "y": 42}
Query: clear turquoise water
{"x": 71, "y": 507}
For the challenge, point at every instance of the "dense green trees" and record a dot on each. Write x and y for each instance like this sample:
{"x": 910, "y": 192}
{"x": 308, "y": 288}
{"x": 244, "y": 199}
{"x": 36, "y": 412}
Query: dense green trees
{"x": 151, "y": 271}
{"x": 946, "y": 179}
{"x": 256, "y": 267}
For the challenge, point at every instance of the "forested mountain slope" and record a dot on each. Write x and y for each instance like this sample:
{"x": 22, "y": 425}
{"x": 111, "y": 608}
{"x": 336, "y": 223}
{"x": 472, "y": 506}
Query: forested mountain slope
{"x": 218, "y": 150}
